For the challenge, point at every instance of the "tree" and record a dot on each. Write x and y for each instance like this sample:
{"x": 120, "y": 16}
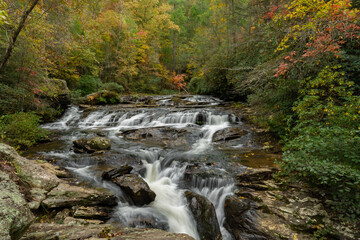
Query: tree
{"x": 16, "y": 34}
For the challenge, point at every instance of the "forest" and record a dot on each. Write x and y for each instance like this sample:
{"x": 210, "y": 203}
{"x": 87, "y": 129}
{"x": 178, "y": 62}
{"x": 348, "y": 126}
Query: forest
{"x": 296, "y": 63}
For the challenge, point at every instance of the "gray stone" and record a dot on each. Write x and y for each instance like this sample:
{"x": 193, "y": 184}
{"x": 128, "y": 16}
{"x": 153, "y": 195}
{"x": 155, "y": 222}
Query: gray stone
{"x": 97, "y": 231}
{"x": 254, "y": 175}
{"x": 15, "y": 215}
{"x": 136, "y": 188}
{"x": 37, "y": 195}
{"x": 205, "y": 216}
{"x": 95, "y": 212}
{"x": 117, "y": 172}
{"x": 242, "y": 220}
{"x": 229, "y": 134}
{"x": 158, "y": 135}
{"x": 92, "y": 145}
{"x": 66, "y": 195}
{"x": 29, "y": 171}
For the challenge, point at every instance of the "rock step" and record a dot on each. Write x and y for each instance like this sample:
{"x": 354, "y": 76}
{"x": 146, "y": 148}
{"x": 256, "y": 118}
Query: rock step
{"x": 66, "y": 195}
{"x": 45, "y": 231}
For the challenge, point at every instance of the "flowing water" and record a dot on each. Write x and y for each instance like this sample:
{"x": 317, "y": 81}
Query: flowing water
{"x": 164, "y": 165}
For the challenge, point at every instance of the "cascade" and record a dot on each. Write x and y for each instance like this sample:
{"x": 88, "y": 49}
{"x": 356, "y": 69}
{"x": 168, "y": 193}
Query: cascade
{"x": 169, "y": 210}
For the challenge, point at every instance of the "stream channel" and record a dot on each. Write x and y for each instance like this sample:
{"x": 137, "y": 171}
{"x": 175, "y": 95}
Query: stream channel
{"x": 174, "y": 147}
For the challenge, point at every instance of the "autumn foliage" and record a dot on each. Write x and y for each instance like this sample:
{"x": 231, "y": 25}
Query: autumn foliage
{"x": 179, "y": 81}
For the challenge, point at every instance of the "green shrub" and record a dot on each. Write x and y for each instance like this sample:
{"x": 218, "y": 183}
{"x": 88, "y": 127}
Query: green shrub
{"x": 89, "y": 84}
{"x": 112, "y": 86}
{"x": 328, "y": 158}
{"x": 323, "y": 147}
{"x": 21, "y": 130}
{"x": 102, "y": 97}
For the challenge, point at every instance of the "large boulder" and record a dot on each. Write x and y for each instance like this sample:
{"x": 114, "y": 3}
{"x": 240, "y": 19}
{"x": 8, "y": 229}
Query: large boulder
{"x": 241, "y": 220}
{"x": 117, "y": 172}
{"x": 56, "y": 94}
{"x": 48, "y": 231}
{"x": 28, "y": 170}
{"x": 66, "y": 195}
{"x": 57, "y": 91}
{"x": 15, "y": 215}
{"x": 205, "y": 216}
{"x": 136, "y": 188}
{"x": 91, "y": 145}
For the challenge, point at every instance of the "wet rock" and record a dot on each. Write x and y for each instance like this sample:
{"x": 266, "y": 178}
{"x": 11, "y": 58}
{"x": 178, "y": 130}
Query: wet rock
{"x": 229, "y": 134}
{"x": 136, "y": 188}
{"x": 15, "y": 215}
{"x": 146, "y": 100}
{"x": 97, "y": 231}
{"x": 163, "y": 135}
{"x": 255, "y": 175}
{"x": 91, "y": 145}
{"x": 241, "y": 220}
{"x": 128, "y": 99}
{"x": 117, "y": 172}
{"x": 26, "y": 169}
{"x": 66, "y": 195}
{"x": 201, "y": 119}
{"x": 148, "y": 221}
{"x": 205, "y": 216}
{"x": 196, "y": 172}
{"x": 99, "y": 213}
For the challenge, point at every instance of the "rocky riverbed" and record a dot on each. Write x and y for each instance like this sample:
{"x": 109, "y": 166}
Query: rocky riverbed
{"x": 165, "y": 168}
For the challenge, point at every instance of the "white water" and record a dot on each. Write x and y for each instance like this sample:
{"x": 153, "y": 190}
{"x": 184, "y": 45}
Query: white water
{"x": 170, "y": 204}
{"x": 71, "y": 116}
{"x": 216, "y": 190}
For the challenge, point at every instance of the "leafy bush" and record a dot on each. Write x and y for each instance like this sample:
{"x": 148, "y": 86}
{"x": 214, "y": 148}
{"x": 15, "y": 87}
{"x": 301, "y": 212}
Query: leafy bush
{"x": 328, "y": 158}
{"x": 323, "y": 147}
{"x": 102, "y": 97}
{"x": 89, "y": 84}
{"x": 112, "y": 86}
{"x": 21, "y": 130}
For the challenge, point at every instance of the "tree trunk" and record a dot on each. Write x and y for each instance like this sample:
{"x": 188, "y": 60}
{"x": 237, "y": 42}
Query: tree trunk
{"x": 174, "y": 51}
{"x": 16, "y": 34}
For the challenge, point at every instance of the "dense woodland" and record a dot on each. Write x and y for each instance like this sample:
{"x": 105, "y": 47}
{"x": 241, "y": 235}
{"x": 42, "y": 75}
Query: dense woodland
{"x": 296, "y": 62}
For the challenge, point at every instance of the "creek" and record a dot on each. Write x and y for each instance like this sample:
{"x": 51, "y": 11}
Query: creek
{"x": 195, "y": 145}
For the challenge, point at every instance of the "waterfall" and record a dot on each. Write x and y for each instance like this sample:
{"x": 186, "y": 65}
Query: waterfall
{"x": 216, "y": 190}
{"x": 169, "y": 210}
{"x": 71, "y": 116}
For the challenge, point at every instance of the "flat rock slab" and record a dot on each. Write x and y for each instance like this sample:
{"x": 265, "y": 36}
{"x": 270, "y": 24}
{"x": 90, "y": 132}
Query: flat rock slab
{"x": 66, "y": 195}
{"x": 255, "y": 175}
{"x": 229, "y": 134}
{"x": 41, "y": 231}
{"x": 117, "y": 172}
{"x": 26, "y": 169}
{"x": 166, "y": 136}
{"x": 99, "y": 213}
